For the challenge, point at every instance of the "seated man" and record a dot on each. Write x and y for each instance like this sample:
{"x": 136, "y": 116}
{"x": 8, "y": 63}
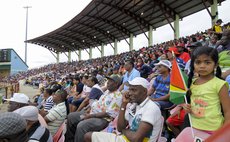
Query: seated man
{"x": 159, "y": 91}
{"x": 35, "y": 130}
{"x": 56, "y": 116}
{"x": 102, "y": 112}
{"x": 138, "y": 112}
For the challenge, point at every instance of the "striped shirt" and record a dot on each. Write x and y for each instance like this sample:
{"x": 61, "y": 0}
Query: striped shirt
{"x": 161, "y": 86}
{"x": 49, "y": 103}
{"x": 56, "y": 115}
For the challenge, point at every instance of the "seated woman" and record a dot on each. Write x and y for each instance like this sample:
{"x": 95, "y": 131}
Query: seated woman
{"x": 159, "y": 91}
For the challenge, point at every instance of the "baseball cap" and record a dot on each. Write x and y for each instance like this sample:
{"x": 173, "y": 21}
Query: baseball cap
{"x": 115, "y": 78}
{"x": 28, "y": 113}
{"x": 173, "y": 49}
{"x": 165, "y": 63}
{"x": 19, "y": 98}
{"x": 139, "y": 81}
{"x": 11, "y": 123}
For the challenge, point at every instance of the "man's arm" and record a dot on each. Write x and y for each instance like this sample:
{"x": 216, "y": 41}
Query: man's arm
{"x": 121, "y": 87}
{"x": 139, "y": 135}
{"x": 151, "y": 91}
{"x": 122, "y": 123}
{"x": 46, "y": 119}
{"x": 163, "y": 98}
{"x": 83, "y": 104}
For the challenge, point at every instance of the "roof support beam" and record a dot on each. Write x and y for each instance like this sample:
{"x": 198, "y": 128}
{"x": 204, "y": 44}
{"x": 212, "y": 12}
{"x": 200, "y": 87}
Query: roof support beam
{"x": 213, "y": 14}
{"x": 56, "y": 57}
{"x": 74, "y": 49}
{"x": 166, "y": 9}
{"x": 214, "y": 10}
{"x": 87, "y": 51}
{"x": 66, "y": 55}
{"x": 166, "y": 15}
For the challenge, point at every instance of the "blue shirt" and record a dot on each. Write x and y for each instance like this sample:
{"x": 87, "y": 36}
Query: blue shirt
{"x": 129, "y": 77}
{"x": 161, "y": 86}
{"x": 95, "y": 93}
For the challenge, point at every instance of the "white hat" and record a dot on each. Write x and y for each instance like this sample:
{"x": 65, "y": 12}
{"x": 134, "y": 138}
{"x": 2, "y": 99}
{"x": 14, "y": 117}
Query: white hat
{"x": 28, "y": 113}
{"x": 139, "y": 81}
{"x": 19, "y": 98}
{"x": 165, "y": 63}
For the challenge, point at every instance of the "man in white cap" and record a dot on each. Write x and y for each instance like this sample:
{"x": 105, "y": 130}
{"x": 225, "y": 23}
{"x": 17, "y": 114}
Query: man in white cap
{"x": 17, "y": 101}
{"x": 159, "y": 90}
{"x": 35, "y": 130}
{"x": 141, "y": 114}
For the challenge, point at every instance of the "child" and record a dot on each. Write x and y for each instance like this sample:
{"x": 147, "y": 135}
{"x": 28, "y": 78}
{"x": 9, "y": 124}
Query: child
{"x": 208, "y": 93}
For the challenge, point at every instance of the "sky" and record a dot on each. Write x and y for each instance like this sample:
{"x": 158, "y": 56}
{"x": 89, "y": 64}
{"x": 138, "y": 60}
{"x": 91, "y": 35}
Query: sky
{"x": 47, "y": 15}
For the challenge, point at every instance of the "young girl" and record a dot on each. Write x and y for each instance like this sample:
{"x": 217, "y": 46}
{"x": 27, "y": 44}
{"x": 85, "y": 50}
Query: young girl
{"x": 209, "y": 107}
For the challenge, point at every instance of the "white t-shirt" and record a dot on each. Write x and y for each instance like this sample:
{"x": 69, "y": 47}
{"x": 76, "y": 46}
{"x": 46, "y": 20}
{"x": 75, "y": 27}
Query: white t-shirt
{"x": 148, "y": 112}
{"x": 86, "y": 90}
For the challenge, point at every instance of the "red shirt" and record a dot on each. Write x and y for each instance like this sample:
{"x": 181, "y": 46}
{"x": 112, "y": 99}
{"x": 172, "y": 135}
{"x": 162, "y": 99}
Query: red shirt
{"x": 185, "y": 56}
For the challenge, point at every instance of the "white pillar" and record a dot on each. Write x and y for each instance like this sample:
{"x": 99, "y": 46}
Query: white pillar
{"x": 115, "y": 47}
{"x": 150, "y": 35}
{"x": 176, "y": 27}
{"x": 102, "y": 50}
{"x": 131, "y": 42}
{"x": 214, "y": 12}
{"x": 79, "y": 55}
{"x": 90, "y": 52}
{"x": 58, "y": 57}
{"x": 69, "y": 56}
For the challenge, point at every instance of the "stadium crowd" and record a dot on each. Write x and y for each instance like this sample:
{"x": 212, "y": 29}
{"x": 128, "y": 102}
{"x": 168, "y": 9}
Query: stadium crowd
{"x": 125, "y": 97}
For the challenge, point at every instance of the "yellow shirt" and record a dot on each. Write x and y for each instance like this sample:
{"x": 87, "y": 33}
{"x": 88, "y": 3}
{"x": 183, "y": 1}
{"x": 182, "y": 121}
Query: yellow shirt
{"x": 217, "y": 29}
{"x": 206, "y": 105}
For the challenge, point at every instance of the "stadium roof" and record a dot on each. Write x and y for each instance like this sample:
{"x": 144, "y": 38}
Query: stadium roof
{"x": 103, "y": 21}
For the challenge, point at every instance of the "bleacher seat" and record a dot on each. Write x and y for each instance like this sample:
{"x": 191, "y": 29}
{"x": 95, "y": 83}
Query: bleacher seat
{"x": 186, "y": 135}
{"x": 59, "y": 136}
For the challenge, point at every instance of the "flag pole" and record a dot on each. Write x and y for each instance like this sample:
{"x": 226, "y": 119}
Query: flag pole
{"x": 189, "y": 117}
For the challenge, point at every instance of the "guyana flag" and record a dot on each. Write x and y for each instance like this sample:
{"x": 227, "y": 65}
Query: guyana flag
{"x": 178, "y": 84}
